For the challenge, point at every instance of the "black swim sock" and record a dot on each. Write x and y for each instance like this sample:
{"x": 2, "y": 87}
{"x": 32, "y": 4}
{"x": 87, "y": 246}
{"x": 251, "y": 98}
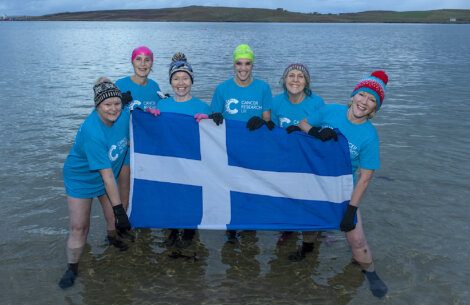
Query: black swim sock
{"x": 186, "y": 238}
{"x": 301, "y": 252}
{"x": 188, "y": 234}
{"x": 172, "y": 237}
{"x": 69, "y": 276}
{"x": 307, "y": 247}
{"x": 231, "y": 236}
{"x": 73, "y": 267}
{"x": 376, "y": 285}
{"x": 285, "y": 235}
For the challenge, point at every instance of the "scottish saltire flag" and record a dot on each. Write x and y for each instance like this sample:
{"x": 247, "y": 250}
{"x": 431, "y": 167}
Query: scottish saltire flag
{"x": 190, "y": 175}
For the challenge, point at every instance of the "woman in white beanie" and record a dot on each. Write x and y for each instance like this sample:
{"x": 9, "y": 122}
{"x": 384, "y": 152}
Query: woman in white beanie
{"x": 289, "y": 108}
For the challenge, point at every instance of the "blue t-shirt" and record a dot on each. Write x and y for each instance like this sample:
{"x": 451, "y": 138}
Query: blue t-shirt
{"x": 363, "y": 138}
{"x": 190, "y": 107}
{"x": 97, "y": 146}
{"x": 284, "y": 113}
{"x": 241, "y": 103}
{"x": 144, "y": 96}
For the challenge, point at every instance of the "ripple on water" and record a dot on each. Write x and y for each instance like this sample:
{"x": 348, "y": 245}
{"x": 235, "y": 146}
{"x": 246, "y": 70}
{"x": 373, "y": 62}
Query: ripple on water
{"x": 417, "y": 223}
{"x": 35, "y": 229}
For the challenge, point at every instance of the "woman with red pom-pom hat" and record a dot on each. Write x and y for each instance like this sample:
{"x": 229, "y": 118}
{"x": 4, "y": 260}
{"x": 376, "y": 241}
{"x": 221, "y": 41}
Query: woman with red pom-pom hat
{"x": 353, "y": 121}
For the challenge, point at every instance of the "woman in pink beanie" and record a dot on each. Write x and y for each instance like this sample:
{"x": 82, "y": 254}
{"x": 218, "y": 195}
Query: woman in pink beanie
{"x": 138, "y": 89}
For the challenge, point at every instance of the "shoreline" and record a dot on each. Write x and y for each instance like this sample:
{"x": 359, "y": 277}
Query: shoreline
{"x": 255, "y": 15}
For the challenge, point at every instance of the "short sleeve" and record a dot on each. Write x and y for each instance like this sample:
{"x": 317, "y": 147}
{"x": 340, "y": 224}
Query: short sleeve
{"x": 275, "y": 110}
{"x": 217, "y": 101}
{"x": 316, "y": 118}
{"x": 369, "y": 156}
{"x": 96, "y": 150}
{"x": 267, "y": 98}
{"x": 204, "y": 108}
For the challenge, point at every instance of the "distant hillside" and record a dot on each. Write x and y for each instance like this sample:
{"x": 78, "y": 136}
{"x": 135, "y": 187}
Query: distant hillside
{"x": 231, "y": 14}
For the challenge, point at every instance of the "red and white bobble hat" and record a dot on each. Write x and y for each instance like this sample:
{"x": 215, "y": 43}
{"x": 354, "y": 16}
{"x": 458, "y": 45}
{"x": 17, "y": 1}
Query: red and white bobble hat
{"x": 375, "y": 84}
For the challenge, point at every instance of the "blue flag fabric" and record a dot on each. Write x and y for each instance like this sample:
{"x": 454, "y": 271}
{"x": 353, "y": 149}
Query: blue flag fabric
{"x": 190, "y": 175}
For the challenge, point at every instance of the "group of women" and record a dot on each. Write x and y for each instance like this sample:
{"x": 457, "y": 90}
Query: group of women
{"x": 98, "y": 163}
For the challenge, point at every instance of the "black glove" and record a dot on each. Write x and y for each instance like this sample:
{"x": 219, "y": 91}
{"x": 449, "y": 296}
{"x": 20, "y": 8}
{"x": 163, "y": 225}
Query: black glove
{"x": 270, "y": 124}
{"x": 126, "y": 98}
{"x": 254, "y": 123}
{"x": 323, "y": 134}
{"x": 162, "y": 95}
{"x": 217, "y": 117}
{"x": 328, "y": 134}
{"x": 120, "y": 219}
{"x": 293, "y": 128}
{"x": 347, "y": 224}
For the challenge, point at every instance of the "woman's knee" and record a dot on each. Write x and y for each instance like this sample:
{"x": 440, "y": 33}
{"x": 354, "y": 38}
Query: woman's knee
{"x": 79, "y": 229}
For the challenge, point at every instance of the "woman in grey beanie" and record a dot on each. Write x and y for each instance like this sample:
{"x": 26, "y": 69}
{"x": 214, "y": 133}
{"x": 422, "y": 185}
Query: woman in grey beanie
{"x": 98, "y": 158}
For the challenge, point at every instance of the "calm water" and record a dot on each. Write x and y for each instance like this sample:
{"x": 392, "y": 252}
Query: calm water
{"x": 417, "y": 209}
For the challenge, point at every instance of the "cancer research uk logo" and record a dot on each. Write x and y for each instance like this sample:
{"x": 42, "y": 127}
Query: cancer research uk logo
{"x": 231, "y": 106}
{"x": 353, "y": 151}
{"x": 116, "y": 149}
{"x": 285, "y": 122}
{"x": 228, "y": 104}
{"x": 143, "y": 105}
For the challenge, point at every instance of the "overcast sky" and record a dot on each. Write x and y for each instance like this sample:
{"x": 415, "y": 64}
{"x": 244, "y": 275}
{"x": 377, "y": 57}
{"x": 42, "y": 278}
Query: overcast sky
{"x": 42, "y": 7}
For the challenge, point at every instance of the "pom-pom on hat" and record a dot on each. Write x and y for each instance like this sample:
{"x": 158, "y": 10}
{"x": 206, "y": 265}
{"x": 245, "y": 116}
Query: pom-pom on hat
{"x": 375, "y": 84}
{"x": 243, "y": 51}
{"x": 302, "y": 68}
{"x": 179, "y": 62}
{"x": 141, "y": 50}
{"x": 105, "y": 89}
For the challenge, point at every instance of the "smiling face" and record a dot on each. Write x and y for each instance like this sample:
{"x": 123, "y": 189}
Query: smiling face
{"x": 243, "y": 71}
{"x": 181, "y": 84}
{"x": 142, "y": 65}
{"x": 109, "y": 110}
{"x": 363, "y": 105}
{"x": 295, "y": 82}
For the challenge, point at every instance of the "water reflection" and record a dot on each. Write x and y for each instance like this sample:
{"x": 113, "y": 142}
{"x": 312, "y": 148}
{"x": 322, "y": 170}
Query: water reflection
{"x": 106, "y": 278}
{"x": 288, "y": 278}
{"x": 149, "y": 272}
{"x": 241, "y": 281}
{"x": 46, "y": 78}
{"x": 152, "y": 272}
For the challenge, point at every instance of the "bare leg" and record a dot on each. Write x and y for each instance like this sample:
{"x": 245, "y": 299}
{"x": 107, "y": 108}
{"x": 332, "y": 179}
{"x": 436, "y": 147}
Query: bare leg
{"x": 360, "y": 249}
{"x": 363, "y": 256}
{"x": 79, "y": 213}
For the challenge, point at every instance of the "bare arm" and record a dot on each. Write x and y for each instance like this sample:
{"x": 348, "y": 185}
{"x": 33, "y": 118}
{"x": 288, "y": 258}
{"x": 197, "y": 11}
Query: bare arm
{"x": 304, "y": 125}
{"x": 124, "y": 185}
{"x": 110, "y": 186}
{"x": 121, "y": 221}
{"x": 365, "y": 176}
{"x": 266, "y": 115}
